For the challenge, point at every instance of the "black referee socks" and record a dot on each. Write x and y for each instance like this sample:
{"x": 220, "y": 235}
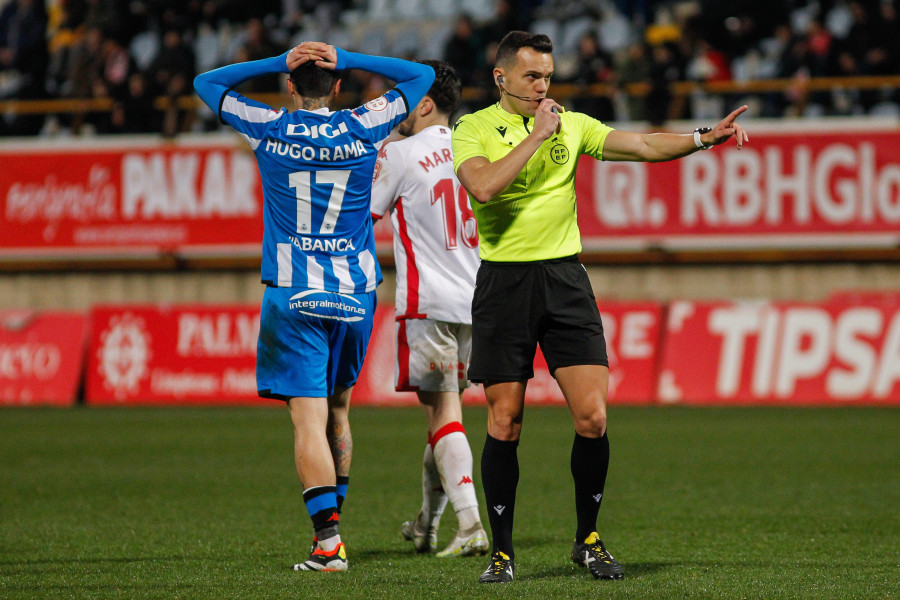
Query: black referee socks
{"x": 499, "y": 478}
{"x": 590, "y": 462}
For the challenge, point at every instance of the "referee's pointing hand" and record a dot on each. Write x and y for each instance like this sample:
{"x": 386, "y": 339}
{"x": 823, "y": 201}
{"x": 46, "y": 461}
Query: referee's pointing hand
{"x": 728, "y": 127}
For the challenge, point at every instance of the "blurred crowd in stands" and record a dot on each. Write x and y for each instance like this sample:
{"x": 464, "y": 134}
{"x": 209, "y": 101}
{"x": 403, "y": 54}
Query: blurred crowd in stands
{"x": 133, "y": 52}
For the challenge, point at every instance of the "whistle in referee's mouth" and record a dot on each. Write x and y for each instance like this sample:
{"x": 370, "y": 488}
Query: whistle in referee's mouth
{"x": 553, "y": 109}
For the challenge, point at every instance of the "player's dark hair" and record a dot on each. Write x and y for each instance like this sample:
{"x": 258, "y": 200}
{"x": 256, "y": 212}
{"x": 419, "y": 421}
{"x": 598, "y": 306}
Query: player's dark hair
{"x": 446, "y": 88}
{"x": 312, "y": 81}
{"x": 514, "y": 41}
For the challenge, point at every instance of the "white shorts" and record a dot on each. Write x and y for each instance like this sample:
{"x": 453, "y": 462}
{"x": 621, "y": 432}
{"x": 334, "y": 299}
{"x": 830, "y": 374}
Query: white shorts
{"x": 432, "y": 356}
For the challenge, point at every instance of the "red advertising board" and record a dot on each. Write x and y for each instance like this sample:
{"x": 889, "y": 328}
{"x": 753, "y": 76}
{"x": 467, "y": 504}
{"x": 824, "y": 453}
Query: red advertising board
{"x": 836, "y": 352}
{"x": 94, "y": 198}
{"x": 41, "y": 357}
{"x": 173, "y": 355}
{"x": 815, "y": 186}
{"x": 802, "y": 188}
{"x": 845, "y": 350}
{"x": 207, "y": 355}
{"x": 633, "y": 332}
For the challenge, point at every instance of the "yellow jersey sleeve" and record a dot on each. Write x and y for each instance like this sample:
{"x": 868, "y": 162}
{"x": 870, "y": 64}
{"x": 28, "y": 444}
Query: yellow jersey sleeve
{"x": 593, "y": 134}
{"x": 467, "y": 141}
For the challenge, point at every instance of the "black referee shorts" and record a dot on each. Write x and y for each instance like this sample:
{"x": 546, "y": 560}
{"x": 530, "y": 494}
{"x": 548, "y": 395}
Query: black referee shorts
{"x": 518, "y": 305}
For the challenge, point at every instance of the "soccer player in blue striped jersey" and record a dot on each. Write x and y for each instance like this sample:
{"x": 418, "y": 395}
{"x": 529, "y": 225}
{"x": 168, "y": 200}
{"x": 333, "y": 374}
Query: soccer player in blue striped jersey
{"x": 318, "y": 259}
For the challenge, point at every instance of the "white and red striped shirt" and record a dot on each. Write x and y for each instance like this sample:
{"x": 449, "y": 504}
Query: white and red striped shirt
{"x": 435, "y": 236}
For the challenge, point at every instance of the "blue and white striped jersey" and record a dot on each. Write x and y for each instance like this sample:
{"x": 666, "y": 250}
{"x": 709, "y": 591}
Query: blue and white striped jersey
{"x": 316, "y": 169}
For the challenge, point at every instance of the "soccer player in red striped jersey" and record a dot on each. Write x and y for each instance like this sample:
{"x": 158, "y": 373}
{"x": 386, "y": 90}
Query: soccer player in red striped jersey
{"x": 436, "y": 253}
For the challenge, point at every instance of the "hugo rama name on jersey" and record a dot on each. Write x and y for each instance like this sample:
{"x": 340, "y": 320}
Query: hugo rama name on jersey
{"x": 334, "y": 153}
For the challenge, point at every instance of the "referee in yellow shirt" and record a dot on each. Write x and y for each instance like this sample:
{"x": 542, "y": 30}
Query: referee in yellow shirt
{"x": 517, "y": 159}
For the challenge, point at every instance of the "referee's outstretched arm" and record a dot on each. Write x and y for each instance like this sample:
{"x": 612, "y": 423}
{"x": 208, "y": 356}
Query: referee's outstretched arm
{"x": 659, "y": 147}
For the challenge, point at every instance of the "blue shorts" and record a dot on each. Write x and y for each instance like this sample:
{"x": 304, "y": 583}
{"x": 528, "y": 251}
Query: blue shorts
{"x": 311, "y": 341}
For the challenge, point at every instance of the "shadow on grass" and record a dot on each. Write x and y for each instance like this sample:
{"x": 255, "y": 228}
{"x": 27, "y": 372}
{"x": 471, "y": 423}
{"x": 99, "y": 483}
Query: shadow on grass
{"x": 632, "y": 570}
{"x": 139, "y": 589}
{"x": 99, "y": 560}
{"x": 381, "y": 555}
{"x": 638, "y": 570}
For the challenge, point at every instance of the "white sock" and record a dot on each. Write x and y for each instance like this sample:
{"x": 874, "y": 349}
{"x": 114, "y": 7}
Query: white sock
{"x": 454, "y": 461}
{"x": 434, "y": 499}
{"x": 331, "y": 543}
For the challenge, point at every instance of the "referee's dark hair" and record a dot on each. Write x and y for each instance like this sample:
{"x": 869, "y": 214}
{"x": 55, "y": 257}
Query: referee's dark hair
{"x": 312, "y": 81}
{"x": 514, "y": 41}
{"x": 446, "y": 88}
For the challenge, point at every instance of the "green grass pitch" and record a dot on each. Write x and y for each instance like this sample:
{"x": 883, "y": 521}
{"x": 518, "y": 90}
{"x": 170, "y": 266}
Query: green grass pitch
{"x": 204, "y": 503}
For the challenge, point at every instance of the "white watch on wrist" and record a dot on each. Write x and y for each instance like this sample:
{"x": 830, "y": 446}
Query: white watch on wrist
{"x": 697, "y": 141}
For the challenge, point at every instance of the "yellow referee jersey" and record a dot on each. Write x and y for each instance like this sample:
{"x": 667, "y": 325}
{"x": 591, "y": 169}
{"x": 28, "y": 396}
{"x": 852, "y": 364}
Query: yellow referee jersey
{"x": 535, "y": 218}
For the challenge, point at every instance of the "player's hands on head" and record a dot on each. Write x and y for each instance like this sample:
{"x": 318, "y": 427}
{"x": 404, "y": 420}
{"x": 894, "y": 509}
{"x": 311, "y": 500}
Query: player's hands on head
{"x": 728, "y": 127}
{"x": 324, "y": 55}
{"x": 295, "y": 58}
{"x": 546, "y": 120}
